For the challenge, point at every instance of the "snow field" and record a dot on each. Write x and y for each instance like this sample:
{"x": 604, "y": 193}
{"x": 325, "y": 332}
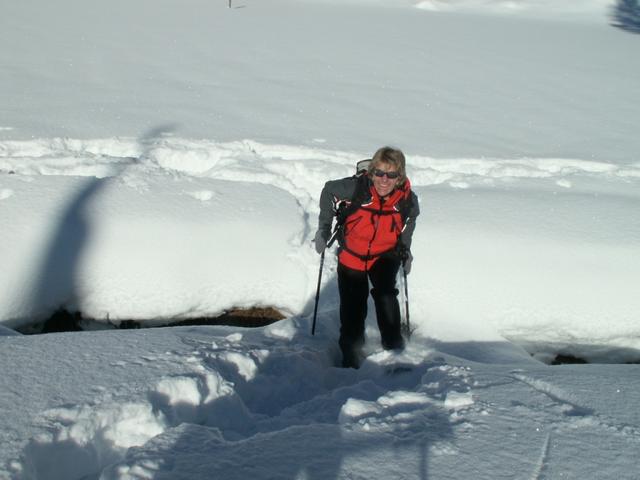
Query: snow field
{"x": 453, "y": 84}
{"x": 126, "y": 191}
{"x": 211, "y": 401}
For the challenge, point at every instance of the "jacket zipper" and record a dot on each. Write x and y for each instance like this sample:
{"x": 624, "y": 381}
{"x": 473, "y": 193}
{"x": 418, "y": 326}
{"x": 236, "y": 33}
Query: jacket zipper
{"x": 375, "y": 232}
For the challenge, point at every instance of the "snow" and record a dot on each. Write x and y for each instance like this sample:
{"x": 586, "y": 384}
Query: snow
{"x": 162, "y": 161}
{"x": 186, "y": 410}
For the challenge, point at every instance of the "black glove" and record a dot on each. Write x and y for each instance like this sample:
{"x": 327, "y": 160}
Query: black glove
{"x": 320, "y": 240}
{"x": 406, "y": 257}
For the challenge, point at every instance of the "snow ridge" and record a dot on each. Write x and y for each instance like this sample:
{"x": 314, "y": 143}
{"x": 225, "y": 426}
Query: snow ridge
{"x": 288, "y": 166}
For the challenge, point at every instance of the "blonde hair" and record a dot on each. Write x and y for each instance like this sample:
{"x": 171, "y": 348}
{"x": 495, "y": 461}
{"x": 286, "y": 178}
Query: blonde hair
{"x": 391, "y": 156}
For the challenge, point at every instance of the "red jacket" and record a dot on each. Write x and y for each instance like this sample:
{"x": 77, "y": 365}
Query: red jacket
{"x": 373, "y": 229}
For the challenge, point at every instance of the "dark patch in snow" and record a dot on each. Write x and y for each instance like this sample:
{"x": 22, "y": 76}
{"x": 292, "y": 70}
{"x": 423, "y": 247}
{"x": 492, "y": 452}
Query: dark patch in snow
{"x": 237, "y": 317}
{"x": 60, "y": 321}
{"x": 63, "y": 320}
{"x": 613, "y": 356}
{"x": 562, "y": 359}
{"x": 571, "y": 351}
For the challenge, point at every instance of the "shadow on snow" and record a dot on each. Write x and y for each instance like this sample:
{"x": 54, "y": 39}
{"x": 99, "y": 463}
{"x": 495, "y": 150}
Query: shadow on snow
{"x": 58, "y": 285}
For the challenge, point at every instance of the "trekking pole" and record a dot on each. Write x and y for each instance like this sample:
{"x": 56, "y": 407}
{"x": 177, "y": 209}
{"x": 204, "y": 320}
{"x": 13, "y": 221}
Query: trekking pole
{"x": 315, "y": 308}
{"x": 407, "y": 325}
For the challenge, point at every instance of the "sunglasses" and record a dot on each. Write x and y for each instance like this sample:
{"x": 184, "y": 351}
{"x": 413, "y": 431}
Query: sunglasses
{"x": 390, "y": 175}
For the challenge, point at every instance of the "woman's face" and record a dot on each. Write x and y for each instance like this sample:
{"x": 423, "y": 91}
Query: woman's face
{"x": 381, "y": 181}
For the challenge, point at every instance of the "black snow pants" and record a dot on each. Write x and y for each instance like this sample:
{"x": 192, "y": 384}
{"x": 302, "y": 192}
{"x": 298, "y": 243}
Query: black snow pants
{"x": 353, "y": 286}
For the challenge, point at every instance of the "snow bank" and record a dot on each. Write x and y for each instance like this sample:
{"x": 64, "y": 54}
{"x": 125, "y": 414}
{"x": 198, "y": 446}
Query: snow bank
{"x": 542, "y": 251}
{"x": 147, "y": 247}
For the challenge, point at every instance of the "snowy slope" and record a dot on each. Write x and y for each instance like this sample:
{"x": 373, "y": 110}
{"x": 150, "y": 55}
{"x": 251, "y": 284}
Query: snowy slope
{"x": 163, "y": 160}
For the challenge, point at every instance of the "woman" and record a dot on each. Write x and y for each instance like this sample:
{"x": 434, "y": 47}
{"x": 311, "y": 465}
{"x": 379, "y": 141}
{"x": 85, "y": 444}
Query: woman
{"x": 375, "y": 214}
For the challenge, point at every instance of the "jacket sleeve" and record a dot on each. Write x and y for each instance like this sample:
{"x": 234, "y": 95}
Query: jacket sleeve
{"x": 410, "y": 224}
{"x": 333, "y": 192}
